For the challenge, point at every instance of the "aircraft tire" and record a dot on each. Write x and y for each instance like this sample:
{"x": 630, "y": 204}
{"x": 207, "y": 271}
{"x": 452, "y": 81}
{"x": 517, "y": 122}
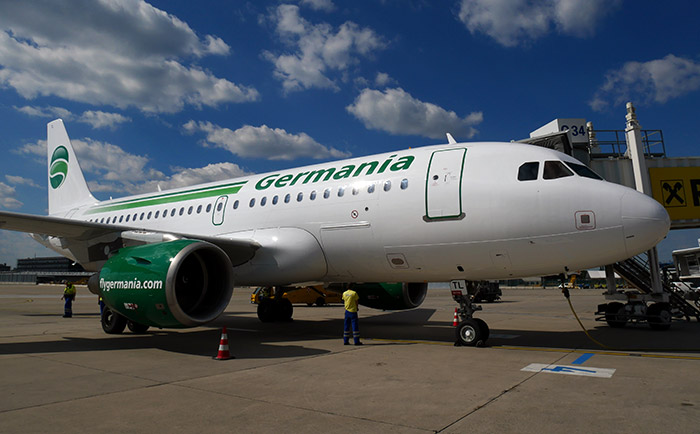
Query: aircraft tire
{"x": 266, "y": 310}
{"x": 470, "y": 333}
{"x": 285, "y": 310}
{"x": 320, "y": 301}
{"x": 137, "y": 328}
{"x": 112, "y": 322}
{"x": 484, "y": 328}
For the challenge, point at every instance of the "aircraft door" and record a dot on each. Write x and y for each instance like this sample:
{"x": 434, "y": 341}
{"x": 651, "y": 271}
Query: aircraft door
{"x": 443, "y": 186}
{"x": 217, "y": 214}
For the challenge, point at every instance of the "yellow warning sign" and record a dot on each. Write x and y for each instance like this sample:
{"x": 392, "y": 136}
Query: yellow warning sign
{"x": 678, "y": 190}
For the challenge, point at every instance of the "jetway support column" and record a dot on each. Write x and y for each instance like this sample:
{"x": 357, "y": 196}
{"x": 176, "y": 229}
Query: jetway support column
{"x": 635, "y": 150}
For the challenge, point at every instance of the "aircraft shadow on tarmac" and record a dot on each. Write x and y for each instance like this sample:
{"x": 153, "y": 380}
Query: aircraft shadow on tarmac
{"x": 249, "y": 338}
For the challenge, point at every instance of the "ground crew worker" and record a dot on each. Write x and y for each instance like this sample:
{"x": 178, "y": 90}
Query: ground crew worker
{"x": 68, "y": 295}
{"x": 102, "y": 305}
{"x": 351, "y": 299}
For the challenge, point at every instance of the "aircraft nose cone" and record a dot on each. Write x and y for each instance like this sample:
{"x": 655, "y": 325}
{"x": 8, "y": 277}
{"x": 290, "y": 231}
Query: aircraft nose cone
{"x": 645, "y": 222}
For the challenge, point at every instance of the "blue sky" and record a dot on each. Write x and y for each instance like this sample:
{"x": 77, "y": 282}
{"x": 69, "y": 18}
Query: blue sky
{"x": 173, "y": 93}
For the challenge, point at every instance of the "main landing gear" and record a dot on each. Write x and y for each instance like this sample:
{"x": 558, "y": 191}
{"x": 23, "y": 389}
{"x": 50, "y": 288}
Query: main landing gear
{"x": 275, "y": 308}
{"x": 114, "y": 324}
{"x": 470, "y": 331}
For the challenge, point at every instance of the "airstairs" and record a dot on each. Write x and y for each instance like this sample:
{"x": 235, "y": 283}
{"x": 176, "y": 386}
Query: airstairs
{"x": 636, "y": 272}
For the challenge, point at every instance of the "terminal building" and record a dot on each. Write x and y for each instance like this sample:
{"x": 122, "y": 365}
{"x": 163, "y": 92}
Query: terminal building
{"x": 52, "y": 269}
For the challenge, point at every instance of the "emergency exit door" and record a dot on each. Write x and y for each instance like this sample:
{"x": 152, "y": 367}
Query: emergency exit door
{"x": 443, "y": 187}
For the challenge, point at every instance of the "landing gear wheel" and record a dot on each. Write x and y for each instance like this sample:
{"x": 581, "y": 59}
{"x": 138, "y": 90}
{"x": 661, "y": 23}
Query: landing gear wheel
{"x": 112, "y": 322}
{"x": 659, "y": 316}
{"x": 320, "y": 301}
{"x": 266, "y": 310}
{"x": 484, "y": 328}
{"x": 285, "y": 310}
{"x": 471, "y": 333}
{"x": 137, "y": 328}
{"x": 614, "y": 315}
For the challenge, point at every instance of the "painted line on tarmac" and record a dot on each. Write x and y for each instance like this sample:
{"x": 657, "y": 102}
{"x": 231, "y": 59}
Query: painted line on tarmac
{"x": 570, "y": 370}
{"x": 581, "y": 360}
{"x": 599, "y": 353}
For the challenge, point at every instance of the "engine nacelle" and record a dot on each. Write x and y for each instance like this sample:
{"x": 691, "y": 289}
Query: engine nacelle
{"x": 183, "y": 283}
{"x": 391, "y": 296}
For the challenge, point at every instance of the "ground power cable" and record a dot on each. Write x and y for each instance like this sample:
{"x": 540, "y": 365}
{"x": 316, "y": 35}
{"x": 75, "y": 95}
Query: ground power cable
{"x": 565, "y": 291}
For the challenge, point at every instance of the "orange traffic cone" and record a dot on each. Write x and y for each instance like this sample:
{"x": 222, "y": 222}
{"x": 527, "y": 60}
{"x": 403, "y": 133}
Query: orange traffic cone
{"x": 224, "y": 353}
{"x": 455, "y": 321}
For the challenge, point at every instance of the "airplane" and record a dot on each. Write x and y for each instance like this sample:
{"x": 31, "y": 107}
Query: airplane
{"x": 383, "y": 224}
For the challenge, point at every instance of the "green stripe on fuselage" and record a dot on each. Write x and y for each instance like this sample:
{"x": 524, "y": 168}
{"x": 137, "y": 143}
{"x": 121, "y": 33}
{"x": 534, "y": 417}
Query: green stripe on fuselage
{"x": 180, "y": 196}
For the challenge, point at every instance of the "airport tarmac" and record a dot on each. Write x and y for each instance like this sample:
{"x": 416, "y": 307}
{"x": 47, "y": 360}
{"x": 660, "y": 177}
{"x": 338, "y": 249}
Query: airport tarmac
{"x": 539, "y": 372}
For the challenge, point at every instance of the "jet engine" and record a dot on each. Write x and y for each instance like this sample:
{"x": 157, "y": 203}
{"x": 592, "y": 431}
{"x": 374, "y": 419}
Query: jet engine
{"x": 175, "y": 284}
{"x": 391, "y": 296}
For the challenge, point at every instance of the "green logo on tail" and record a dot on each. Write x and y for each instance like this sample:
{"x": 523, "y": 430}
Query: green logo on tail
{"x": 59, "y": 167}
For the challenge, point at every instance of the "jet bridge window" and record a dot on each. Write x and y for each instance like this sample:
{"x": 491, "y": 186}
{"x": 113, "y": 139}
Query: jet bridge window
{"x": 555, "y": 170}
{"x": 529, "y": 171}
{"x": 584, "y": 171}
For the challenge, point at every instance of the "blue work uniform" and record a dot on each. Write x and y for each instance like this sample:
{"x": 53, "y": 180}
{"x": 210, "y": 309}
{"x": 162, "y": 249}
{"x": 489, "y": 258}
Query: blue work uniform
{"x": 68, "y": 296}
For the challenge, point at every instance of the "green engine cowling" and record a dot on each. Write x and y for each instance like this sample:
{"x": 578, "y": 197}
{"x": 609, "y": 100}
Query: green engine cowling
{"x": 175, "y": 284}
{"x": 391, "y": 296}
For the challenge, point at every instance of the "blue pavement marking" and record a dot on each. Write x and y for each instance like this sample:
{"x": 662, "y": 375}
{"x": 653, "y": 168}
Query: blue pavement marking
{"x": 581, "y": 360}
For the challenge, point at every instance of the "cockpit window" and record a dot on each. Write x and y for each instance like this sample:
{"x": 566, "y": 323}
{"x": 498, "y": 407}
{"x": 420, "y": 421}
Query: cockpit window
{"x": 584, "y": 171}
{"x": 555, "y": 170}
{"x": 528, "y": 171}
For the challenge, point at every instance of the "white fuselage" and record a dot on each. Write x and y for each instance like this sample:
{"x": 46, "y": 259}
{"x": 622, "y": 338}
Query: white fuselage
{"x": 427, "y": 214}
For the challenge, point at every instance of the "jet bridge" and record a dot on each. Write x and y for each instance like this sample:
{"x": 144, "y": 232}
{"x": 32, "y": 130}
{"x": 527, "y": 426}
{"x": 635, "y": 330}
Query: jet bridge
{"x": 636, "y": 158}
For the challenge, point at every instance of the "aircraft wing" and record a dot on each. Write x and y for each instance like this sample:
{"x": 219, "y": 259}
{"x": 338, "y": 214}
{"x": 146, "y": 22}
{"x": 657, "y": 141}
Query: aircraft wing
{"x": 238, "y": 250}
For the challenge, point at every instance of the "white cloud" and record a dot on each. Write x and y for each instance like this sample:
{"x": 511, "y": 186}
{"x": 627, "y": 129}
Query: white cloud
{"x": 184, "y": 177}
{"x": 263, "y": 142}
{"x": 7, "y": 199}
{"x": 644, "y": 82}
{"x": 319, "y": 5}
{"x": 383, "y": 79}
{"x": 19, "y": 180}
{"x": 113, "y": 52}
{"x": 319, "y": 50}
{"x": 514, "y": 22}
{"x": 97, "y": 119}
{"x": 397, "y": 112}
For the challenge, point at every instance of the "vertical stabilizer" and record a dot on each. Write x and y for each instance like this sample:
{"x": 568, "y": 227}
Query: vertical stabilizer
{"x": 67, "y": 186}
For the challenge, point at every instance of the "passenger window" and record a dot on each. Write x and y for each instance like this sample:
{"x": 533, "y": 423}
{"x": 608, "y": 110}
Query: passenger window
{"x": 148, "y": 217}
{"x": 199, "y": 209}
{"x": 341, "y": 191}
{"x": 312, "y": 196}
{"x": 326, "y": 193}
{"x": 287, "y": 198}
{"x": 189, "y": 210}
{"x": 235, "y": 205}
{"x": 127, "y": 218}
{"x": 121, "y": 217}
{"x": 370, "y": 188}
{"x": 155, "y": 216}
{"x": 387, "y": 185}
{"x": 404, "y": 184}
{"x": 251, "y": 203}
{"x": 584, "y": 171}
{"x": 555, "y": 170}
{"x": 263, "y": 201}
{"x": 275, "y": 199}
{"x": 142, "y": 215}
{"x": 208, "y": 207}
{"x": 172, "y": 212}
{"x": 300, "y": 196}
{"x": 182, "y": 210}
{"x": 529, "y": 171}
{"x": 355, "y": 191}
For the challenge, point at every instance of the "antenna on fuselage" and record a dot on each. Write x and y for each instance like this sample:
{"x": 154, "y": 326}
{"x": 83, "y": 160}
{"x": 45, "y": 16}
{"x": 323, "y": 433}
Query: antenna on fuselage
{"x": 451, "y": 140}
